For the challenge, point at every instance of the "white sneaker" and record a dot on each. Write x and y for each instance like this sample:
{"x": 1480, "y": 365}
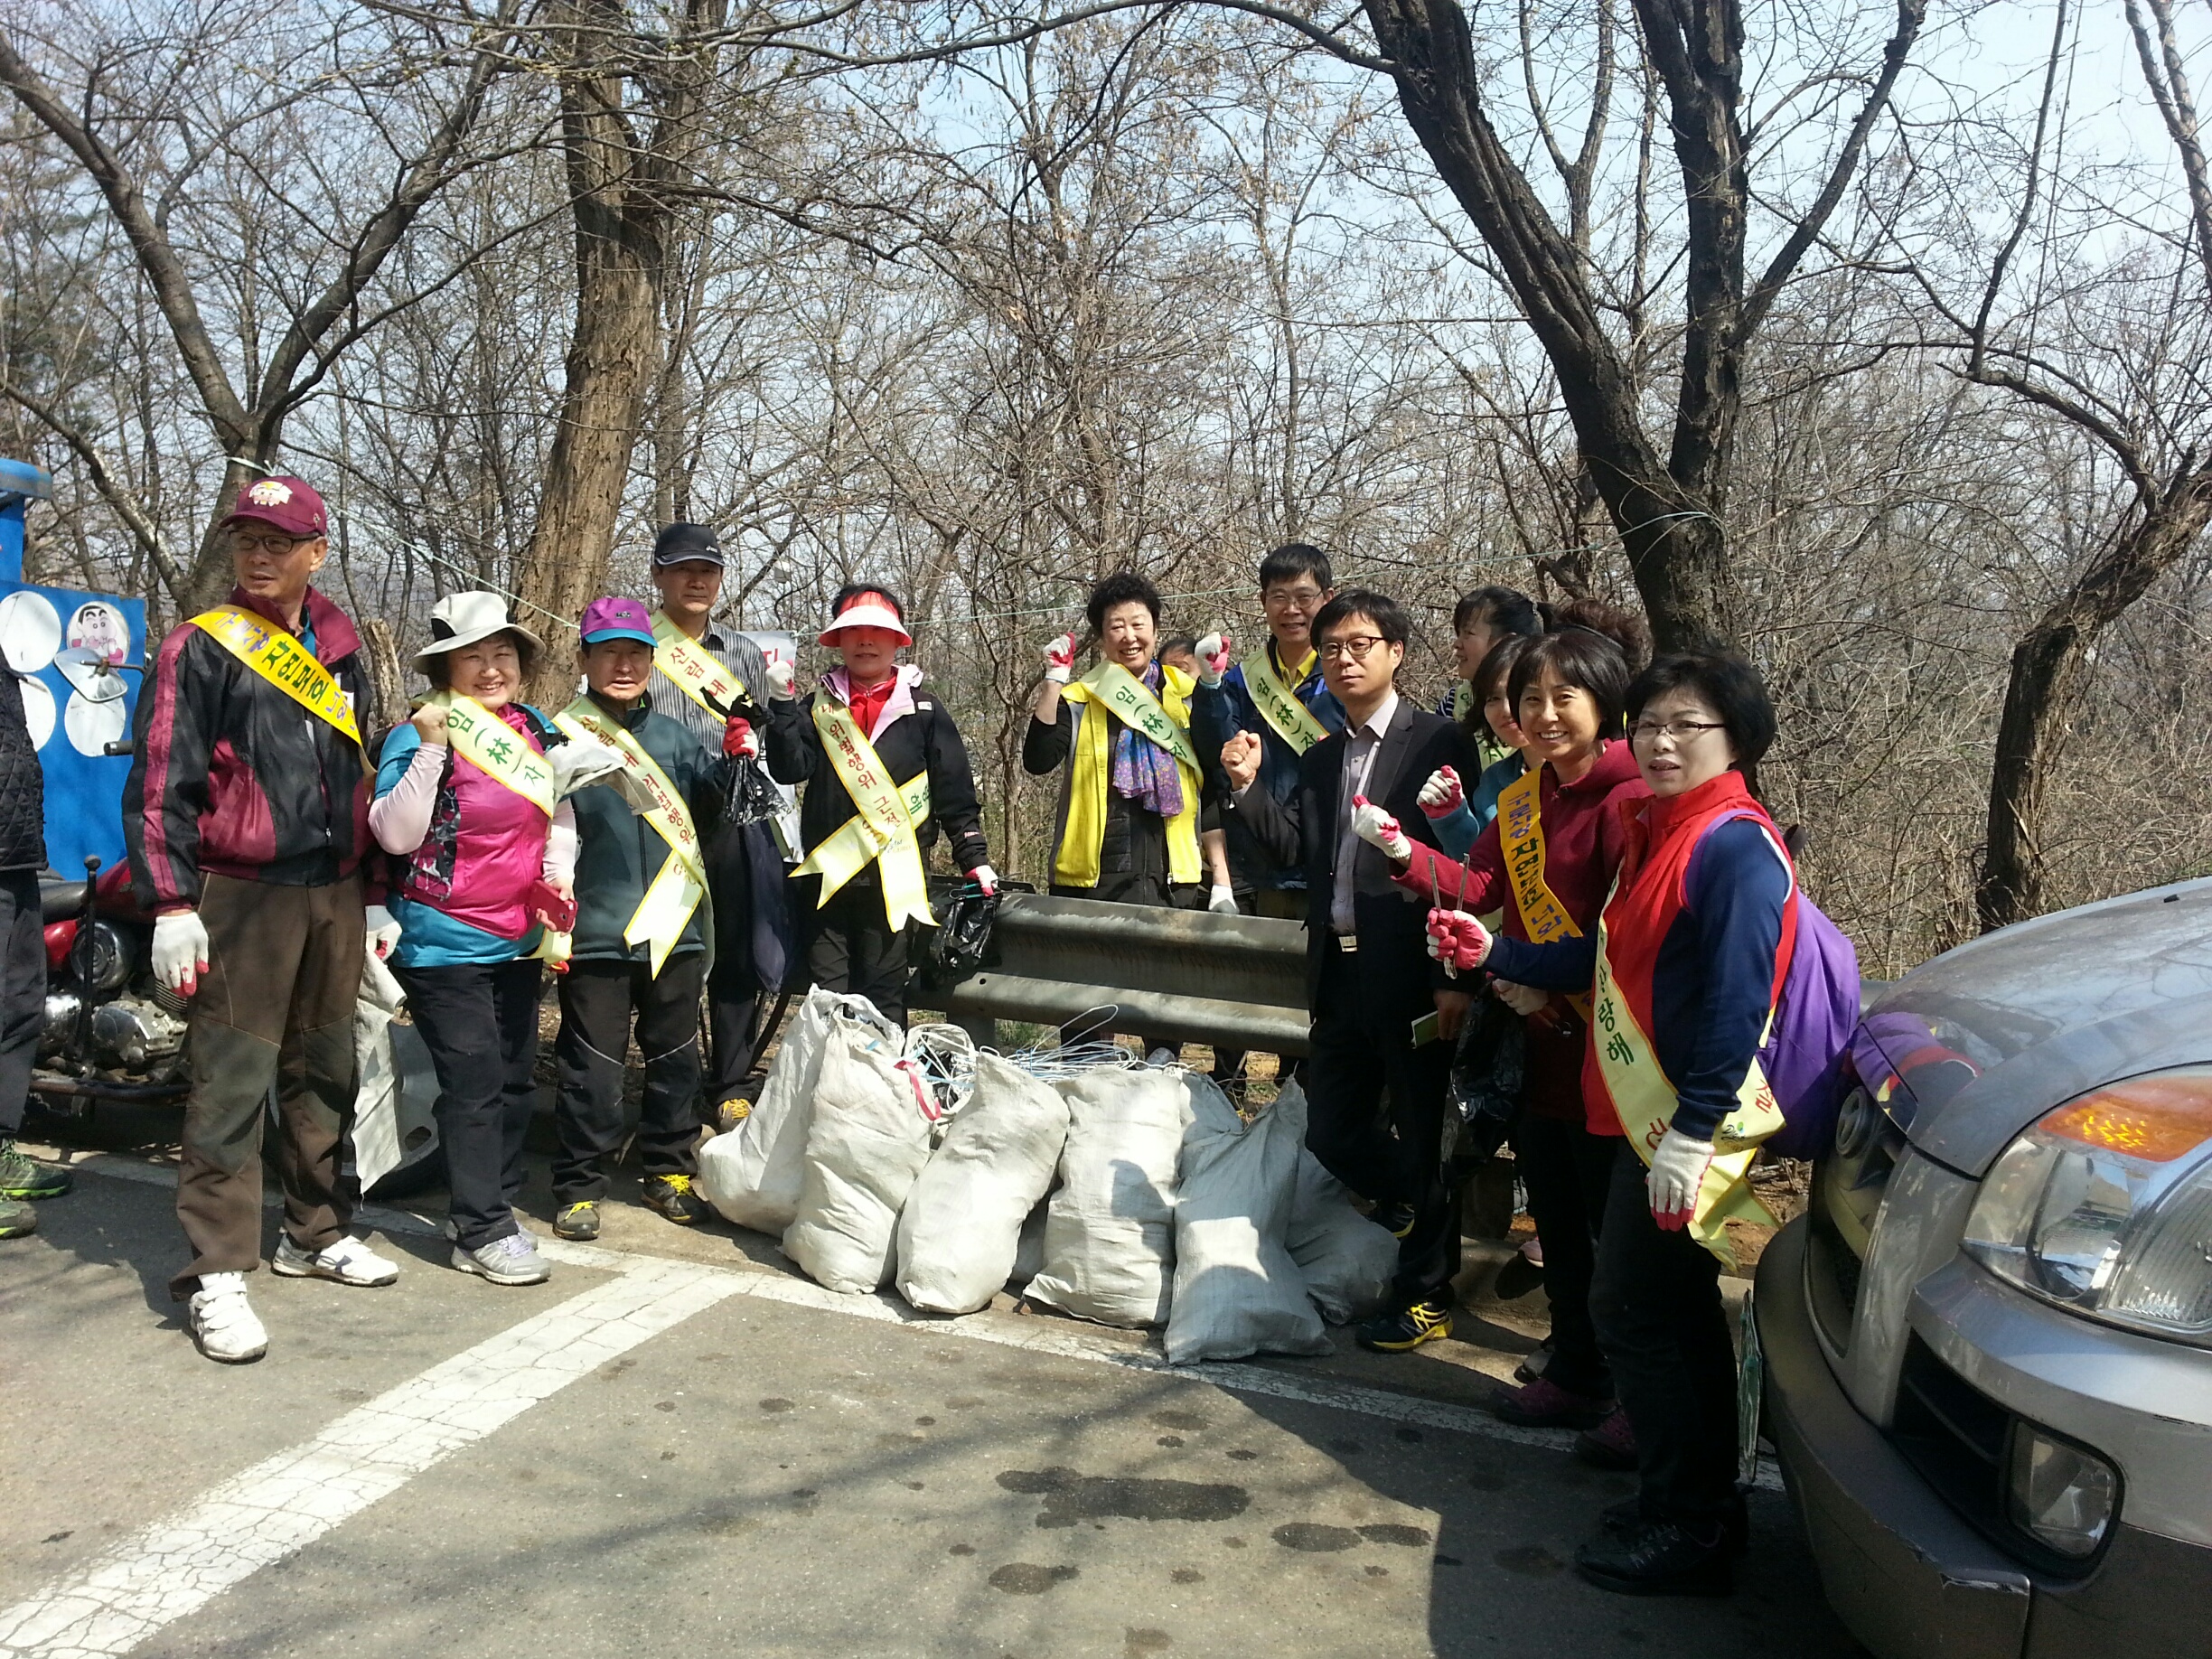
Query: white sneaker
{"x": 451, "y": 1229}
{"x": 349, "y": 1261}
{"x": 512, "y": 1259}
{"x": 223, "y": 1324}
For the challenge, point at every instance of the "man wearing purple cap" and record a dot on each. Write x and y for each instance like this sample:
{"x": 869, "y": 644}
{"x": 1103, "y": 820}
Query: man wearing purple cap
{"x": 246, "y": 814}
{"x": 640, "y": 941}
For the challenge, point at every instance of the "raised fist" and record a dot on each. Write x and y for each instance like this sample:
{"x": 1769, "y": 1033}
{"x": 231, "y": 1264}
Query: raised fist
{"x": 1212, "y": 653}
{"x": 1378, "y": 829}
{"x": 1441, "y": 795}
{"x": 1060, "y": 659}
{"x": 780, "y": 680}
{"x": 1457, "y": 940}
{"x": 1241, "y": 760}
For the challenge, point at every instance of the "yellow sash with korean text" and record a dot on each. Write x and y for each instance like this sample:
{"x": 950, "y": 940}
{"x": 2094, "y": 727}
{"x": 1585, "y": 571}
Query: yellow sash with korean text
{"x": 1644, "y": 1101}
{"x": 283, "y": 661}
{"x": 1521, "y": 840}
{"x": 1126, "y": 696}
{"x": 496, "y": 749}
{"x": 881, "y": 829}
{"x": 694, "y": 669}
{"x": 673, "y": 893}
{"x": 1277, "y": 704}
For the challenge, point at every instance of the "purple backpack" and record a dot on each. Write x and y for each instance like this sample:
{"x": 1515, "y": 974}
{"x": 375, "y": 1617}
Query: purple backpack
{"x": 1804, "y": 1052}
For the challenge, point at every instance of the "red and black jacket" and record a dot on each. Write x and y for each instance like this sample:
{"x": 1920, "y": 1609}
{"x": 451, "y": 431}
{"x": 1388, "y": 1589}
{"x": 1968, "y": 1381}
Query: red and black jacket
{"x": 231, "y": 777}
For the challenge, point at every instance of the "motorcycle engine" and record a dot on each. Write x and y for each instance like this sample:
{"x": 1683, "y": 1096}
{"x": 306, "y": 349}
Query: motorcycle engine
{"x": 132, "y": 1033}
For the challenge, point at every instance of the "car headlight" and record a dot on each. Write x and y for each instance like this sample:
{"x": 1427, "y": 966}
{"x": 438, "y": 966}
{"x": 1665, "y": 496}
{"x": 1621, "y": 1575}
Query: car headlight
{"x": 2104, "y": 1207}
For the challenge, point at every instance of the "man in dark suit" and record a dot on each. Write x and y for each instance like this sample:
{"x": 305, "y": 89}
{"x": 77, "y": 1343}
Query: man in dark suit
{"x": 1369, "y": 975}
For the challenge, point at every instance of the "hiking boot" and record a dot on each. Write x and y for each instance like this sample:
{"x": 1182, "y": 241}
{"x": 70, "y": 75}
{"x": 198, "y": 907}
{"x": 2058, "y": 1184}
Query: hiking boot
{"x": 1395, "y": 1219}
{"x": 16, "y": 1219}
{"x": 1544, "y": 1404}
{"x": 1659, "y": 1558}
{"x": 222, "y": 1322}
{"x": 577, "y": 1221}
{"x": 512, "y": 1259}
{"x": 349, "y": 1261}
{"x": 21, "y": 1178}
{"x": 1426, "y": 1321}
{"x": 1611, "y": 1445}
{"x": 671, "y": 1195}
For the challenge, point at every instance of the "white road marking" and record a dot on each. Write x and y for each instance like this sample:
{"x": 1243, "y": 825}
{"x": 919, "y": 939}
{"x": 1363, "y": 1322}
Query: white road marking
{"x": 1063, "y": 1339}
{"x": 281, "y": 1505}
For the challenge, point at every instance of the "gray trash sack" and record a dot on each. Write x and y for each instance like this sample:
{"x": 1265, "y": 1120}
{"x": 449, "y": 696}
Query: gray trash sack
{"x": 1029, "y": 1252}
{"x": 1110, "y": 1230}
{"x": 960, "y": 1229}
{"x": 752, "y": 1174}
{"x": 1237, "y": 1291}
{"x": 1349, "y": 1260}
{"x": 868, "y": 1140}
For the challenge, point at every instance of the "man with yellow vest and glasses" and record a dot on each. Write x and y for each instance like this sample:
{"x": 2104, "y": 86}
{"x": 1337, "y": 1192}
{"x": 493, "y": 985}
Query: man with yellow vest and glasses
{"x": 885, "y": 772}
{"x": 640, "y": 941}
{"x": 247, "y": 814}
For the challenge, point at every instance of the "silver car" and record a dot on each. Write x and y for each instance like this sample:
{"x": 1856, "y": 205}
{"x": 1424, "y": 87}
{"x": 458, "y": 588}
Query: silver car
{"x": 1988, "y": 1345}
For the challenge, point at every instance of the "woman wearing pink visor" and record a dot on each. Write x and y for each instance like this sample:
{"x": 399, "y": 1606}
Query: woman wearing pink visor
{"x": 884, "y": 769}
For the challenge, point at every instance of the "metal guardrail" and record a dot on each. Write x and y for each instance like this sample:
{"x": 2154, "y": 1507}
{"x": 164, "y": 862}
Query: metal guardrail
{"x": 1231, "y": 982}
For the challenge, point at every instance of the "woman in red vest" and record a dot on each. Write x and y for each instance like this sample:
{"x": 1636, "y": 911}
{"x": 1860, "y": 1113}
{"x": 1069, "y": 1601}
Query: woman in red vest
{"x": 1689, "y": 962}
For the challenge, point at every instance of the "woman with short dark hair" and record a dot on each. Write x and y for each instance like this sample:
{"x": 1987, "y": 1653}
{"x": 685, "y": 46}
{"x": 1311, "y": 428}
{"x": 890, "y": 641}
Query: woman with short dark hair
{"x": 1129, "y": 802}
{"x": 1547, "y": 860}
{"x": 1480, "y": 621}
{"x": 1698, "y": 937}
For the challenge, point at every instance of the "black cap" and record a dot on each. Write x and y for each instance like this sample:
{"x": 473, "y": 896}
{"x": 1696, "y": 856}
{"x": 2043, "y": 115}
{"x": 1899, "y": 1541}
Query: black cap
{"x": 681, "y": 542}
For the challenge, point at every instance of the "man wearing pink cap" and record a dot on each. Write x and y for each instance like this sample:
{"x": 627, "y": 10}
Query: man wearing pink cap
{"x": 246, "y": 814}
{"x": 886, "y": 773}
{"x": 641, "y": 941}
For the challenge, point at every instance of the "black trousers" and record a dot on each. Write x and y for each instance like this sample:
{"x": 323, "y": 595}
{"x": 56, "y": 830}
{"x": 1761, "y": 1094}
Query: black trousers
{"x": 735, "y": 990}
{"x": 23, "y": 992}
{"x": 852, "y": 949}
{"x": 597, "y": 1000}
{"x": 1568, "y": 1174}
{"x": 480, "y": 1023}
{"x": 1656, "y": 1302}
{"x": 1363, "y": 1045}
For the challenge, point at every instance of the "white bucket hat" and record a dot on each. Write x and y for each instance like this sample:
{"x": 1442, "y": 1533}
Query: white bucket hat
{"x": 462, "y": 619}
{"x": 865, "y": 610}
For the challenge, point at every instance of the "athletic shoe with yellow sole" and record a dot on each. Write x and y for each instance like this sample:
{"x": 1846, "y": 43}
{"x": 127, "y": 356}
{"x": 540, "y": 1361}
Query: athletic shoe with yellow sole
{"x": 1425, "y": 1321}
{"x": 671, "y": 1196}
{"x": 577, "y": 1221}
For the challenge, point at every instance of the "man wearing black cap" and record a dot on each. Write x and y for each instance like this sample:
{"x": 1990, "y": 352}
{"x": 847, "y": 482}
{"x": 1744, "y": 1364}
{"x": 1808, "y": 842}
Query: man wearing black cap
{"x": 696, "y": 667}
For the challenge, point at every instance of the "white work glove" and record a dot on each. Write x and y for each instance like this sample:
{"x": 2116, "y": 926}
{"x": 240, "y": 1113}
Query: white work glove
{"x": 581, "y": 761}
{"x": 1060, "y": 659}
{"x": 1378, "y": 829}
{"x": 780, "y": 680}
{"x": 1677, "y": 1172}
{"x": 1212, "y": 654}
{"x": 1441, "y": 795}
{"x": 384, "y": 931}
{"x": 1523, "y": 999}
{"x": 1221, "y": 901}
{"x": 985, "y": 877}
{"x": 179, "y": 950}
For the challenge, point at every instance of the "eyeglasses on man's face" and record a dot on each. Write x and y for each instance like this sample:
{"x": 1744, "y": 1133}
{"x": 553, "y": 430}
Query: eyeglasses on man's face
{"x": 1359, "y": 647}
{"x": 1681, "y": 731}
{"x": 276, "y": 546}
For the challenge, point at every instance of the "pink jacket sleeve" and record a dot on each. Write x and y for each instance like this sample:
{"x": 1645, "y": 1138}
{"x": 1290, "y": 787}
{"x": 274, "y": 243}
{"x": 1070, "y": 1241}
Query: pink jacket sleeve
{"x": 1479, "y": 886}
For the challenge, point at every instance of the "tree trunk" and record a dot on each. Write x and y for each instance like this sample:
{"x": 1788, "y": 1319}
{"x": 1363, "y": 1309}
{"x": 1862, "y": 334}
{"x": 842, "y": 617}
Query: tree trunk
{"x": 2045, "y": 690}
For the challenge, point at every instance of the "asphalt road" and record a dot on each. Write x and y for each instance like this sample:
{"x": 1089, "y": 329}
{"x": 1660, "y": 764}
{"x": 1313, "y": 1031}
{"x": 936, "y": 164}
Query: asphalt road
{"x": 677, "y": 1444}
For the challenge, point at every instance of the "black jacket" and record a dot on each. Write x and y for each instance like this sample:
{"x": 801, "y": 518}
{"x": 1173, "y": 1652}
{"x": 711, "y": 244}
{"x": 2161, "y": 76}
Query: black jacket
{"x": 924, "y": 738}
{"x": 1392, "y": 921}
{"x": 23, "y": 784}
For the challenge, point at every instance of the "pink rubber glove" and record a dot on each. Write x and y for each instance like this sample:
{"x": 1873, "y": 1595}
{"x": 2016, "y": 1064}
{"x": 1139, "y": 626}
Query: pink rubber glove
{"x": 1441, "y": 795}
{"x": 1060, "y": 659}
{"x": 1212, "y": 653}
{"x": 738, "y": 736}
{"x": 1378, "y": 829}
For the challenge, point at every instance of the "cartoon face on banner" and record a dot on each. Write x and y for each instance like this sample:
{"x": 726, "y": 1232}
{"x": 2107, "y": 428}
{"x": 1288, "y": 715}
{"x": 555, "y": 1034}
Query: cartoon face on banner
{"x": 98, "y": 627}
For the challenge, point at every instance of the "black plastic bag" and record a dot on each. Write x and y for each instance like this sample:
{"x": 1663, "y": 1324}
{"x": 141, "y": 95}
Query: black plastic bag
{"x": 963, "y": 934}
{"x": 1487, "y": 1075}
{"x": 751, "y": 796}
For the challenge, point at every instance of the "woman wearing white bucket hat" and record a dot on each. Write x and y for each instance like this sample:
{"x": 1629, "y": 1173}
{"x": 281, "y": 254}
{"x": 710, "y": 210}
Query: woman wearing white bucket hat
{"x": 871, "y": 735}
{"x": 469, "y": 805}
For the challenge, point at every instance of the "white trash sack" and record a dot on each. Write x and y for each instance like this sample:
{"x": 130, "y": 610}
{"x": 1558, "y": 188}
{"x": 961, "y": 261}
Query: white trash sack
{"x": 960, "y": 1230}
{"x": 1237, "y": 1291}
{"x": 1349, "y": 1260}
{"x": 1109, "y": 1232}
{"x": 752, "y": 1174}
{"x": 868, "y": 1140}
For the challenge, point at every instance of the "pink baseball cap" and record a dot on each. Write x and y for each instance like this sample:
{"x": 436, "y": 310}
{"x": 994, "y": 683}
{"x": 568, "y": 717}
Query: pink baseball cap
{"x": 289, "y": 504}
{"x": 616, "y": 618}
